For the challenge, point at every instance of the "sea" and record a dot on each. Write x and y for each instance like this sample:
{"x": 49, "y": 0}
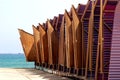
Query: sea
{"x": 14, "y": 60}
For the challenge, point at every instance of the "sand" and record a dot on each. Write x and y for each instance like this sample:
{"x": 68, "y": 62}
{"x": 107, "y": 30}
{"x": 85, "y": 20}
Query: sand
{"x": 27, "y": 74}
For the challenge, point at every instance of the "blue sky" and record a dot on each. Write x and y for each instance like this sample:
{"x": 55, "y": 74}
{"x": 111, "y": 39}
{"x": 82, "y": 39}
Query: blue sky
{"x": 23, "y": 14}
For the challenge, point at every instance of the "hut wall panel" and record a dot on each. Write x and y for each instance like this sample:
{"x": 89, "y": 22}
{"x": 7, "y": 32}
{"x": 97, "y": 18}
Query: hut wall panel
{"x": 68, "y": 41}
{"x": 27, "y": 41}
{"x": 52, "y": 45}
{"x": 37, "y": 44}
{"x": 62, "y": 56}
{"x": 77, "y": 38}
{"x": 44, "y": 45}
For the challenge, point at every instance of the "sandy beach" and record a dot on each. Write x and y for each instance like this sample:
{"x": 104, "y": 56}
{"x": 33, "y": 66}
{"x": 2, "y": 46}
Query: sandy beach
{"x": 27, "y": 74}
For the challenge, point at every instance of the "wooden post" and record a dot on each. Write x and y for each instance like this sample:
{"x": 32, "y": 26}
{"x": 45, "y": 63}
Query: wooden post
{"x": 90, "y": 41}
{"x": 100, "y": 44}
{"x": 101, "y": 36}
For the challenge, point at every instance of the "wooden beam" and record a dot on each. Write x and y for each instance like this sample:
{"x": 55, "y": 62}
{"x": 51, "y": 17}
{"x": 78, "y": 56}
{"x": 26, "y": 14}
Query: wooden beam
{"x": 108, "y": 19}
{"x": 90, "y": 40}
{"x": 100, "y": 44}
{"x": 101, "y": 36}
{"x": 109, "y": 11}
{"x": 82, "y": 18}
{"x": 107, "y": 27}
{"x": 105, "y": 2}
{"x": 96, "y": 29}
{"x": 113, "y": 0}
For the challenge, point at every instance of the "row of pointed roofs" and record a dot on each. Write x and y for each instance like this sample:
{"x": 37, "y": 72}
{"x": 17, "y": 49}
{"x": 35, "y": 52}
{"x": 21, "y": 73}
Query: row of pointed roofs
{"x": 79, "y": 40}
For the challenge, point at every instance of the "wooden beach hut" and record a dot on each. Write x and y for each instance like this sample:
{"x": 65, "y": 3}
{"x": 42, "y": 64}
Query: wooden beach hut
{"x": 52, "y": 45}
{"x": 37, "y": 44}
{"x": 77, "y": 38}
{"x": 27, "y": 41}
{"x": 62, "y": 51}
{"x": 69, "y": 41}
{"x": 84, "y": 41}
{"x": 44, "y": 45}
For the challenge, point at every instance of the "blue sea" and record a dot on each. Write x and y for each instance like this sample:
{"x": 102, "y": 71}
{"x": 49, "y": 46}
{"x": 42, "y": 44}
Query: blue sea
{"x": 14, "y": 61}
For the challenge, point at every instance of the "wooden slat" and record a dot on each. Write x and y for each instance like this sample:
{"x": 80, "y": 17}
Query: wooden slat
{"x": 90, "y": 41}
{"x": 90, "y": 36}
{"x": 100, "y": 44}
{"x": 85, "y": 10}
{"x": 108, "y": 27}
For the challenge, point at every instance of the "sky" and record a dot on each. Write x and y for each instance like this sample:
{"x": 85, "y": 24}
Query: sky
{"x": 23, "y": 14}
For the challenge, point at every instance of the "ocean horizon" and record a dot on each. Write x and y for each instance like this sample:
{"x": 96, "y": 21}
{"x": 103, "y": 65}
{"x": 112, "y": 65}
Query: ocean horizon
{"x": 14, "y": 60}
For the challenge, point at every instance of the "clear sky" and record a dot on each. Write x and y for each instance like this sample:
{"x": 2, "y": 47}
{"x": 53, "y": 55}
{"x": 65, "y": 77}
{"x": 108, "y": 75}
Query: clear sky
{"x": 23, "y": 14}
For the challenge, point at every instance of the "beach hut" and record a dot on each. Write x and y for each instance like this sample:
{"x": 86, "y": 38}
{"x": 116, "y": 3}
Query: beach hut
{"x": 77, "y": 38}
{"x": 52, "y": 45}
{"x": 68, "y": 42}
{"x": 27, "y": 41}
{"x": 44, "y": 45}
{"x": 37, "y": 44}
{"x": 62, "y": 47}
{"x": 84, "y": 41}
